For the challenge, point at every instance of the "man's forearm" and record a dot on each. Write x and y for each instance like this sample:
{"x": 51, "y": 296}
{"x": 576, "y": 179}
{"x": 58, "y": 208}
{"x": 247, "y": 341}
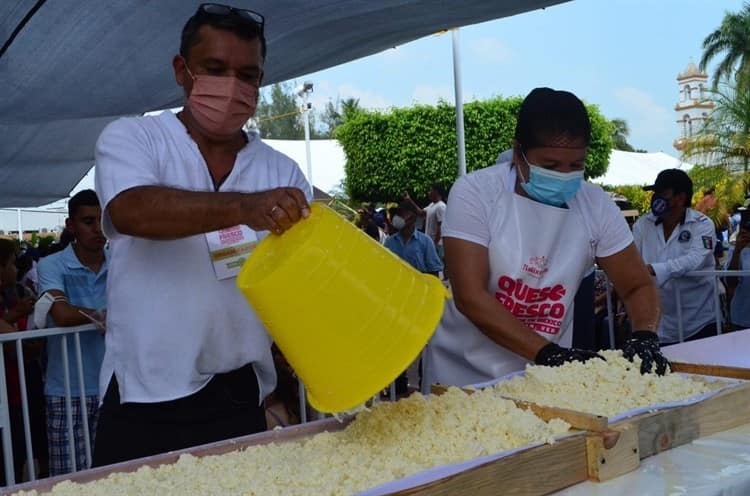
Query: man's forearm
{"x": 166, "y": 213}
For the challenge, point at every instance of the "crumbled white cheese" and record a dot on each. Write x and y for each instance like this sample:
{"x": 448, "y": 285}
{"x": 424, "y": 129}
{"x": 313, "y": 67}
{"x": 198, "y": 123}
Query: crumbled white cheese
{"x": 601, "y": 387}
{"x": 390, "y": 441}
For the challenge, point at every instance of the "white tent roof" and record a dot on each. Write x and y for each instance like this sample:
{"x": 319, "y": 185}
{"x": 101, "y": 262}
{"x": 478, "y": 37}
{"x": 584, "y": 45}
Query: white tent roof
{"x": 628, "y": 168}
{"x": 69, "y": 67}
{"x": 327, "y": 158}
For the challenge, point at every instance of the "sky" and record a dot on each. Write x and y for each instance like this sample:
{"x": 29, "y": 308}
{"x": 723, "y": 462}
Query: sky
{"x": 622, "y": 55}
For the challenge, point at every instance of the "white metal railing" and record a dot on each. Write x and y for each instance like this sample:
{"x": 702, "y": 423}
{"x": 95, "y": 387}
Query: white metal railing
{"x": 19, "y": 337}
{"x": 716, "y": 274}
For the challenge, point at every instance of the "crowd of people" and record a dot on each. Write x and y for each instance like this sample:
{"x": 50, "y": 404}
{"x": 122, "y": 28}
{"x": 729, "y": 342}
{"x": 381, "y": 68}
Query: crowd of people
{"x": 180, "y": 359}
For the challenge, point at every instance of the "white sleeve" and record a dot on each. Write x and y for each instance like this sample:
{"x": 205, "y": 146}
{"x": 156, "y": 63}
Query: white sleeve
{"x": 124, "y": 159}
{"x": 701, "y": 246}
{"x": 613, "y": 234}
{"x": 298, "y": 180}
{"x": 440, "y": 212}
{"x": 466, "y": 215}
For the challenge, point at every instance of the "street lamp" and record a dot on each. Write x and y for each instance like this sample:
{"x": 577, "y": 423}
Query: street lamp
{"x": 303, "y": 91}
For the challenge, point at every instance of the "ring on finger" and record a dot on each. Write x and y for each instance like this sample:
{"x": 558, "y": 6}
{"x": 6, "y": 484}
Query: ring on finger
{"x": 274, "y": 210}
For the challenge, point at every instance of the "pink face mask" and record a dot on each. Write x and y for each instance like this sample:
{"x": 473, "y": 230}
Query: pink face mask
{"x": 221, "y": 104}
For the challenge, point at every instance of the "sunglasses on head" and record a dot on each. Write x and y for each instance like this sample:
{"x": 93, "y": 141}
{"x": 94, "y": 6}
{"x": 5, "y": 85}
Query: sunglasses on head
{"x": 217, "y": 9}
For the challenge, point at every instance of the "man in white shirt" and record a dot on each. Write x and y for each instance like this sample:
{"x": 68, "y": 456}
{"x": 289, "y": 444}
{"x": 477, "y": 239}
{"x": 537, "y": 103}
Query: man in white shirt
{"x": 674, "y": 239}
{"x": 434, "y": 213}
{"x": 187, "y": 361}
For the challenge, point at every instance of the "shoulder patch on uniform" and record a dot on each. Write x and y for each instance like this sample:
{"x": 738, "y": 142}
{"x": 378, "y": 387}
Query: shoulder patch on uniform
{"x": 708, "y": 242}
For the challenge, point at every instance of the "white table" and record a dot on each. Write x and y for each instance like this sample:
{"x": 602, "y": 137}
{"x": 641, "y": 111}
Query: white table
{"x": 732, "y": 349}
{"x": 711, "y": 466}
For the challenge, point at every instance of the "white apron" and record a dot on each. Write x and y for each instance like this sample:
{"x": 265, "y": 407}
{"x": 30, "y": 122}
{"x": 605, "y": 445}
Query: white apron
{"x": 538, "y": 255}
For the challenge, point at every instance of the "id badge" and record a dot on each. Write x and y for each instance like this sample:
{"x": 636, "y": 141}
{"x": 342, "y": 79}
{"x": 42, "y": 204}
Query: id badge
{"x": 229, "y": 248}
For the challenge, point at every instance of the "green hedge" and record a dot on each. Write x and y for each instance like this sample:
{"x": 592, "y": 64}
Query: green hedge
{"x": 408, "y": 149}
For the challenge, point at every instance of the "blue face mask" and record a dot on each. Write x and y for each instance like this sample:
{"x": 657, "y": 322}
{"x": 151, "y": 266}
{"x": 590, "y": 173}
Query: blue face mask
{"x": 659, "y": 206}
{"x": 549, "y": 186}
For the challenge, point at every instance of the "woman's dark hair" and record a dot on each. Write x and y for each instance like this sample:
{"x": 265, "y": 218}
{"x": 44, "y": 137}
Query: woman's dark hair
{"x": 7, "y": 250}
{"x": 552, "y": 118}
{"x": 233, "y": 23}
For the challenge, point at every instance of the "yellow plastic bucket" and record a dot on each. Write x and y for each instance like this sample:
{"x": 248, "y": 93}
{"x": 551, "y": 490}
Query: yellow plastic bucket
{"x": 348, "y": 315}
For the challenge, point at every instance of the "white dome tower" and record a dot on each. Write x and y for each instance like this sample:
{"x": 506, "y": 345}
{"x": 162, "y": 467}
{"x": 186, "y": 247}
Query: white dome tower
{"x": 695, "y": 104}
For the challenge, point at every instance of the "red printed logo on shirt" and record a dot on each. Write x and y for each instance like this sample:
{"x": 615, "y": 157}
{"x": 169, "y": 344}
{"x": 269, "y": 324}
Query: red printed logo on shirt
{"x": 539, "y": 308}
{"x": 536, "y": 266}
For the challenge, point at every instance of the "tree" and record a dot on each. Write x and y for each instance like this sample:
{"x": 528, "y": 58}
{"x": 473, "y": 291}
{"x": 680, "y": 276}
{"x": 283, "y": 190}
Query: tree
{"x": 335, "y": 114}
{"x": 732, "y": 39}
{"x": 410, "y": 148}
{"x": 725, "y": 137}
{"x": 620, "y": 135}
{"x": 278, "y": 114}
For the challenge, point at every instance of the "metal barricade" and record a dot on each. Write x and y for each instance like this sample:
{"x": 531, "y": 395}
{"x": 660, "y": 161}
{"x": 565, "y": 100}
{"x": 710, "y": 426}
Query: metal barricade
{"x": 717, "y": 274}
{"x": 18, "y": 338}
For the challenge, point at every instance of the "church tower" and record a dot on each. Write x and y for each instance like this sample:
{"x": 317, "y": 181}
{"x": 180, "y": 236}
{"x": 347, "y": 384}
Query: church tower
{"x": 695, "y": 104}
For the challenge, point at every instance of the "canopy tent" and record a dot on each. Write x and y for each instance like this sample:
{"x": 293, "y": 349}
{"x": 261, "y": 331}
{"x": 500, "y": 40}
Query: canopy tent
{"x": 69, "y": 67}
{"x": 628, "y": 168}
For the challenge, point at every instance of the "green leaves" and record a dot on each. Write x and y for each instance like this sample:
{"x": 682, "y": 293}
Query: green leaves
{"x": 407, "y": 149}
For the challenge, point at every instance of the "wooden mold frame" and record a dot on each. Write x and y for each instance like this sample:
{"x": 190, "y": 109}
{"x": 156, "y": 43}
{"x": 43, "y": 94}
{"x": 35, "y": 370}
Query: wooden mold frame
{"x": 616, "y": 448}
{"x": 606, "y": 450}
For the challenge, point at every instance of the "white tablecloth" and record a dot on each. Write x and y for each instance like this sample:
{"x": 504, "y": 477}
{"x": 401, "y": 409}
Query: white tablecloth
{"x": 717, "y": 465}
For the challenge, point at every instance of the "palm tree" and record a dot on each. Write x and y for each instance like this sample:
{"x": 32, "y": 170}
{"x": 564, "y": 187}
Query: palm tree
{"x": 620, "y": 135}
{"x": 732, "y": 39}
{"x": 725, "y": 136}
{"x": 349, "y": 107}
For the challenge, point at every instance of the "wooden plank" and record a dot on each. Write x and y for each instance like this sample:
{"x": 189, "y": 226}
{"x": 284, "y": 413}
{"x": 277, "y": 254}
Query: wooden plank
{"x": 606, "y": 462}
{"x": 666, "y": 429}
{"x": 714, "y": 370}
{"x": 578, "y": 420}
{"x": 537, "y": 471}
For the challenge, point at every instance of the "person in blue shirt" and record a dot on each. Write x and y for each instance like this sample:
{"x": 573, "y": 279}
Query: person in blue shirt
{"x": 415, "y": 248}
{"x": 739, "y": 287}
{"x": 76, "y": 279}
{"x": 411, "y": 245}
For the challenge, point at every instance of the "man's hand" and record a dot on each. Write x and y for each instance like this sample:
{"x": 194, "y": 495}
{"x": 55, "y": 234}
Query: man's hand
{"x": 645, "y": 344}
{"x": 554, "y": 355}
{"x": 275, "y": 210}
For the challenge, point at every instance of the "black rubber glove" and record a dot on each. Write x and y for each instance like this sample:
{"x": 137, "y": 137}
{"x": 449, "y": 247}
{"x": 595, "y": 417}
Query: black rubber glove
{"x": 553, "y": 355}
{"x": 645, "y": 344}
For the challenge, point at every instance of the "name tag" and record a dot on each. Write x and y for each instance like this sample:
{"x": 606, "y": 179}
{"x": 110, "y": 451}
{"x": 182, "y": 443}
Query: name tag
{"x": 229, "y": 248}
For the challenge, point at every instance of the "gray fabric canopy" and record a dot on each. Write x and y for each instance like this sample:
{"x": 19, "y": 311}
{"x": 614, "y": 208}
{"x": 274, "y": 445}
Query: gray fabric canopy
{"x": 78, "y": 64}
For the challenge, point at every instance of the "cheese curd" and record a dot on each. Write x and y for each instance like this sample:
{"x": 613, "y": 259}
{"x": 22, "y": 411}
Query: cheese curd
{"x": 387, "y": 442}
{"x": 601, "y": 387}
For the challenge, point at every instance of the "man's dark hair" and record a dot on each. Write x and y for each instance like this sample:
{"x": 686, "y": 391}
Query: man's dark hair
{"x": 85, "y": 198}
{"x": 440, "y": 190}
{"x": 233, "y": 23}
{"x": 552, "y": 118}
{"x": 406, "y": 207}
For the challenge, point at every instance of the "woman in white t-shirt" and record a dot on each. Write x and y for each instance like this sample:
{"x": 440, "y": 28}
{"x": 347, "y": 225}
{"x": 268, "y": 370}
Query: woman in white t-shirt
{"x": 519, "y": 237}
